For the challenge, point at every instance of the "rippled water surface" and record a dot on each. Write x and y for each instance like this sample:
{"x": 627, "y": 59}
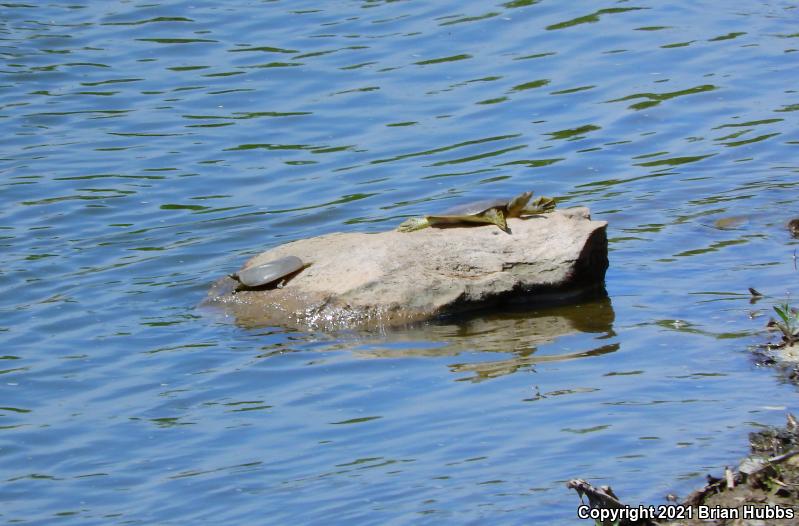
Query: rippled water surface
{"x": 149, "y": 148}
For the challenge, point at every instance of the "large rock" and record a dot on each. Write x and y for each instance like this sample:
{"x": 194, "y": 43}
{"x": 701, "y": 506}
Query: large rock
{"x": 359, "y": 280}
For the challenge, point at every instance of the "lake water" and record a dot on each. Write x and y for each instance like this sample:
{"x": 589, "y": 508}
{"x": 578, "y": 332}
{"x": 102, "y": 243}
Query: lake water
{"x": 149, "y": 148}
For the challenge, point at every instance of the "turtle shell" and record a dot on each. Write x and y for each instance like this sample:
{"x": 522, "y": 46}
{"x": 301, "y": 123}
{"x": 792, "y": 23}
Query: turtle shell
{"x": 269, "y": 272}
{"x": 474, "y": 207}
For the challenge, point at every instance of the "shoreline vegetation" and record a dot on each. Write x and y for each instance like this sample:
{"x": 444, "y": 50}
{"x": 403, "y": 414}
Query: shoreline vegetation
{"x": 762, "y": 490}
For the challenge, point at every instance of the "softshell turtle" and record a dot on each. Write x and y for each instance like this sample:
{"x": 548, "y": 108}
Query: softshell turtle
{"x": 490, "y": 211}
{"x": 267, "y": 273}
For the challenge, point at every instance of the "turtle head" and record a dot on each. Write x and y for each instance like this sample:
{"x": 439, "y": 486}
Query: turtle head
{"x": 517, "y": 204}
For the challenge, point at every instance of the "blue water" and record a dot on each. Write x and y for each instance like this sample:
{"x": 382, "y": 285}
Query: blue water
{"x": 149, "y": 148}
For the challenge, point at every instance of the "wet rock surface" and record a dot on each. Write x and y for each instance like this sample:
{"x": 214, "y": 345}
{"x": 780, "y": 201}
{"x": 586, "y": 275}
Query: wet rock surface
{"x": 364, "y": 281}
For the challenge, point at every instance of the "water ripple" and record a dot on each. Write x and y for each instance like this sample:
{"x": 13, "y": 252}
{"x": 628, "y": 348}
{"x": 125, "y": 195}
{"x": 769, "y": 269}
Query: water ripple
{"x": 150, "y": 148}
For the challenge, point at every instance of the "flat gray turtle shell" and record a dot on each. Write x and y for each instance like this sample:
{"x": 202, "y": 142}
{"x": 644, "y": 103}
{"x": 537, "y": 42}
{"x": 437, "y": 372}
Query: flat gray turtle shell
{"x": 473, "y": 208}
{"x": 269, "y": 272}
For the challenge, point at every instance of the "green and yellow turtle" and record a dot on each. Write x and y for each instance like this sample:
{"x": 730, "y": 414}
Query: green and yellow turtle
{"x": 490, "y": 211}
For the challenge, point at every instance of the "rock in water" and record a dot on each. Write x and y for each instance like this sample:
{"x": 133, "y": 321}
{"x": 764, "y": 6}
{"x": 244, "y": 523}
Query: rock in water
{"x": 367, "y": 281}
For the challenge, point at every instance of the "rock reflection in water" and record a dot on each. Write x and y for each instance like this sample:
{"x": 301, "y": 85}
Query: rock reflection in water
{"x": 520, "y": 334}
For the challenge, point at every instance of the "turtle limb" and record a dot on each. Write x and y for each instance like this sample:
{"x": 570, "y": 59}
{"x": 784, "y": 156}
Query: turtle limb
{"x": 539, "y": 205}
{"x": 516, "y": 205}
{"x": 496, "y": 217}
{"x": 489, "y": 217}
